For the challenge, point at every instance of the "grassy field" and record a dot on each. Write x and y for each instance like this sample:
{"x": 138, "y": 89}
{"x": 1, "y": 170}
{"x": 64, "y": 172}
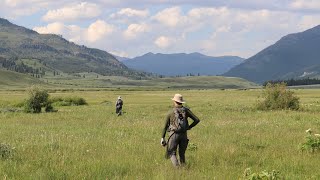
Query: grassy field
{"x": 11, "y": 80}
{"x": 91, "y": 142}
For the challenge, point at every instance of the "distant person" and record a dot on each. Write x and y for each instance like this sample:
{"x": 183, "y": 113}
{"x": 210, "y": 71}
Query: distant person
{"x": 119, "y": 104}
{"x": 176, "y": 124}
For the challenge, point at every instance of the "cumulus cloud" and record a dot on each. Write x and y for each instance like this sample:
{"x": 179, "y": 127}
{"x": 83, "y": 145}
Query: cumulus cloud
{"x": 134, "y": 30}
{"x": 98, "y": 30}
{"x": 83, "y": 10}
{"x": 305, "y": 4}
{"x": 216, "y": 30}
{"x": 53, "y": 28}
{"x": 171, "y": 17}
{"x": 163, "y": 42}
{"x": 128, "y": 12}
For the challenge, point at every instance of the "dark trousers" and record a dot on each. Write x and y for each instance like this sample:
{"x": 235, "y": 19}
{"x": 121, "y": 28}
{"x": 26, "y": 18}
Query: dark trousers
{"x": 177, "y": 141}
{"x": 119, "y": 110}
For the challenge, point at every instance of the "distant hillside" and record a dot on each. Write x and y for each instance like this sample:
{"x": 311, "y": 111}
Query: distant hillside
{"x": 183, "y": 64}
{"x": 293, "y": 56}
{"x": 17, "y": 80}
{"x": 56, "y": 53}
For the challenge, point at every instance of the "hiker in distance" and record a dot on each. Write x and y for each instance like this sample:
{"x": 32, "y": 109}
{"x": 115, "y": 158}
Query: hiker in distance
{"x": 176, "y": 124}
{"x": 119, "y": 104}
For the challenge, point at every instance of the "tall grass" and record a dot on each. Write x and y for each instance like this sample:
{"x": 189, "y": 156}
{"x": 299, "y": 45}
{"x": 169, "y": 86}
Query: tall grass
{"x": 91, "y": 142}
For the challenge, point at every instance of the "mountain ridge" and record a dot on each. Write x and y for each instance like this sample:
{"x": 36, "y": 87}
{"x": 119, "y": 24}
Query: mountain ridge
{"x": 181, "y": 64}
{"x": 286, "y": 58}
{"x": 17, "y": 42}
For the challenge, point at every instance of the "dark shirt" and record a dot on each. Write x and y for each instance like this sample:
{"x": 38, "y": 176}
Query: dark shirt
{"x": 119, "y": 103}
{"x": 171, "y": 115}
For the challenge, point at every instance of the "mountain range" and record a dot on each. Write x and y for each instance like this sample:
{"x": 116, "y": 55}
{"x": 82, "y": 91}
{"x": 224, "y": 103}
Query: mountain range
{"x": 19, "y": 46}
{"x": 182, "y": 64}
{"x": 293, "y": 56}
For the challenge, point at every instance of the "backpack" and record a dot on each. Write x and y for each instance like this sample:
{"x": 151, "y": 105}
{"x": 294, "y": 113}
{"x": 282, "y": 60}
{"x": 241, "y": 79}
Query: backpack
{"x": 179, "y": 122}
{"x": 119, "y": 103}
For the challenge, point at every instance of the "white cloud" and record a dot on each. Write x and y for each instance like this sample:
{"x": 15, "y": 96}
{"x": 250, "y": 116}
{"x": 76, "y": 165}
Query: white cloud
{"x": 170, "y": 17}
{"x": 220, "y": 30}
{"x": 53, "y": 28}
{"x": 99, "y": 30}
{"x": 309, "y": 21}
{"x": 15, "y": 3}
{"x": 163, "y": 42}
{"x": 128, "y": 12}
{"x": 305, "y": 4}
{"x": 134, "y": 30}
{"x": 120, "y": 53}
{"x": 83, "y": 10}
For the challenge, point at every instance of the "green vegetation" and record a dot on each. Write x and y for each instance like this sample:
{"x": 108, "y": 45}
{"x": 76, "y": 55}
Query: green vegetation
{"x": 91, "y": 142}
{"x": 68, "y": 101}
{"x": 295, "y": 82}
{"x": 56, "y": 54}
{"x": 38, "y": 99}
{"x": 6, "y": 151}
{"x": 277, "y": 97}
{"x": 12, "y": 80}
{"x": 312, "y": 143}
{"x": 263, "y": 175}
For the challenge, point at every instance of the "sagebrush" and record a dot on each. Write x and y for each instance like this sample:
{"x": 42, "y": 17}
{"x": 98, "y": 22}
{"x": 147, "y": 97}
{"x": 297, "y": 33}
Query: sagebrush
{"x": 278, "y": 97}
{"x": 38, "y": 99}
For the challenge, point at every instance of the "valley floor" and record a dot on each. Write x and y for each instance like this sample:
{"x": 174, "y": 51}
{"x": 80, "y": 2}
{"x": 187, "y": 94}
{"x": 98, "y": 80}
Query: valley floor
{"x": 91, "y": 142}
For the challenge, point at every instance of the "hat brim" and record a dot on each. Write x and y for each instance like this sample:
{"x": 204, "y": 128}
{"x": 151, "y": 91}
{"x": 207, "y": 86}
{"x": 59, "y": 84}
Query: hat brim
{"x": 178, "y": 101}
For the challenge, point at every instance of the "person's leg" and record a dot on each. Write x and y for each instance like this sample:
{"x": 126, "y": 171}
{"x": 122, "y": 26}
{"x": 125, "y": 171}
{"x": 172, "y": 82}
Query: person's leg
{"x": 120, "y": 111}
{"x": 172, "y": 149}
{"x": 183, "y": 144}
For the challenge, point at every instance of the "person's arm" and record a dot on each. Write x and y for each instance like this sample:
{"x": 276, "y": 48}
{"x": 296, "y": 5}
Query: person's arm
{"x": 194, "y": 118}
{"x": 166, "y": 125}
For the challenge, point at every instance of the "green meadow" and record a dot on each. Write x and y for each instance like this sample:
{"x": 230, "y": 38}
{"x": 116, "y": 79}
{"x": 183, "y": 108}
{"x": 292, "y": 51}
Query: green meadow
{"x": 91, "y": 142}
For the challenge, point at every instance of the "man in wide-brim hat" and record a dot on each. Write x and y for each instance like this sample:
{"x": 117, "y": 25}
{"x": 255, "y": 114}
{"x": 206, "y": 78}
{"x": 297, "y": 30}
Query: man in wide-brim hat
{"x": 176, "y": 124}
{"x": 119, "y": 104}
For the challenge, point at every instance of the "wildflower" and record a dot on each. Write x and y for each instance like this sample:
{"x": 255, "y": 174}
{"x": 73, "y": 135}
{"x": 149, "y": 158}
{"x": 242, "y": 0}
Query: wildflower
{"x": 308, "y": 130}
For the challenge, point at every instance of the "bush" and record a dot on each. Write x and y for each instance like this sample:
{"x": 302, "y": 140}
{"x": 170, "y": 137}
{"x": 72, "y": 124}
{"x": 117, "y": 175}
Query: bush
{"x": 277, "y": 97}
{"x": 6, "y": 151}
{"x": 264, "y": 175}
{"x": 68, "y": 101}
{"x": 312, "y": 142}
{"x": 38, "y": 98}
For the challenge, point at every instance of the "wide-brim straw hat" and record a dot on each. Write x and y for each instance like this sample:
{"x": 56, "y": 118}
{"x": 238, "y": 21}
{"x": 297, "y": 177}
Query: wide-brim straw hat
{"x": 178, "y": 98}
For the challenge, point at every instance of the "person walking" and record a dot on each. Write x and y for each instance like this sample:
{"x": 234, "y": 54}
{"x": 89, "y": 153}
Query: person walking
{"x": 119, "y": 104}
{"x": 176, "y": 124}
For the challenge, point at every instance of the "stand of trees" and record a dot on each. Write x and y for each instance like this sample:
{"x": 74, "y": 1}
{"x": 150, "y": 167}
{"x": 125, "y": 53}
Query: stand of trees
{"x": 295, "y": 82}
{"x": 11, "y": 65}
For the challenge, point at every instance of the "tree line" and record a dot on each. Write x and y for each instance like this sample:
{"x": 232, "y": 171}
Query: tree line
{"x": 295, "y": 82}
{"x": 11, "y": 65}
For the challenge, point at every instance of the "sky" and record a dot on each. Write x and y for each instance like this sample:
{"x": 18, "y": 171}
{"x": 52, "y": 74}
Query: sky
{"x": 131, "y": 28}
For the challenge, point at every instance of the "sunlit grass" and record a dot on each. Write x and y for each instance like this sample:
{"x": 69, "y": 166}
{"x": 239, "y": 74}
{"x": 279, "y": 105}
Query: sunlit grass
{"x": 91, "y": 142}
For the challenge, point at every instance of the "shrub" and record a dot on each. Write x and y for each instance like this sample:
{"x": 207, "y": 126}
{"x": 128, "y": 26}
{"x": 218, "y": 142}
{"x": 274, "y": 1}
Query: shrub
{"x": 263, "y": 175}
{"x": 312, "y": 142}
{"x": 68, "y": 101}
{"x": 277, "y": 97}
{"x": 6, "y": 151}
{"x": 38, "y": 98}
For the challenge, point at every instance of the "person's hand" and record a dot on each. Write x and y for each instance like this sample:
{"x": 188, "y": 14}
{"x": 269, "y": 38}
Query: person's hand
{"x": 163, "y": 142}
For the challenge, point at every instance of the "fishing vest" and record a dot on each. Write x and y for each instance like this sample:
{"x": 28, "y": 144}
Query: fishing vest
{"x": 179, "y": 122}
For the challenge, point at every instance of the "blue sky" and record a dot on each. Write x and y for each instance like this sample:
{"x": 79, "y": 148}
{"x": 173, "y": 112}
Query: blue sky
{"x": 132, "y": 28}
